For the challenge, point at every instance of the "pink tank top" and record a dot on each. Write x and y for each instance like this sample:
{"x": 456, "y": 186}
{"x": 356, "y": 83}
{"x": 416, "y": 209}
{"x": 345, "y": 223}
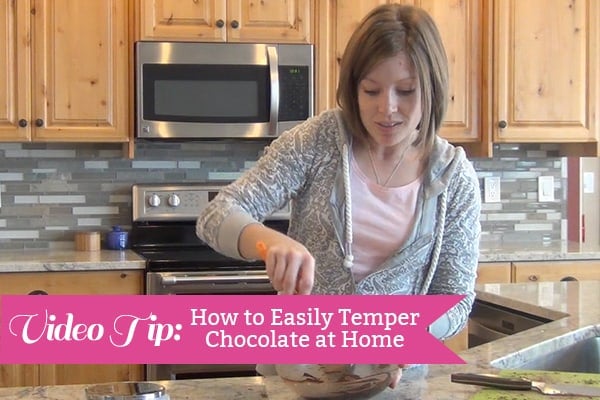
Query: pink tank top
{"x": 382, "y": 219}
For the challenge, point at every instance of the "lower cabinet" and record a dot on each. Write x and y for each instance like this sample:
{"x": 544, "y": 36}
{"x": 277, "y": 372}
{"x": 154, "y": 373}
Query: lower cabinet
{"x": 72, "y": 282}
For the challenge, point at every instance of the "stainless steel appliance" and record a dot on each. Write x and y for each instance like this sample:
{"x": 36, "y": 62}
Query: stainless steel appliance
{"x": 178, "y": 263}
{"x": 191, "y": 90}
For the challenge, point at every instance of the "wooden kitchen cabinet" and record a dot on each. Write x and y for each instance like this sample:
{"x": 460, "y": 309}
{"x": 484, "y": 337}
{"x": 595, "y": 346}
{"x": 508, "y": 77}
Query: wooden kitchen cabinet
{"x": 461, "y": 30}
{"x": 554, "y": 271}
{"x": 521, "y": 71}
{"x": 80, "y": 282}
{"x": 546, "y": 73}
{"x": 66, "y": 77}
{"x": 267, "y": 21}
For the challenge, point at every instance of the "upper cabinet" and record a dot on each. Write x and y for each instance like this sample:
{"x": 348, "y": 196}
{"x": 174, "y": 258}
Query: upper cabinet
{"x": 67, "y": 72}
{"x": 521, "y": 71}
{"x": 546, "y": 69}
{"x": 267, "y": 21}
{"x": 459, "y": 23}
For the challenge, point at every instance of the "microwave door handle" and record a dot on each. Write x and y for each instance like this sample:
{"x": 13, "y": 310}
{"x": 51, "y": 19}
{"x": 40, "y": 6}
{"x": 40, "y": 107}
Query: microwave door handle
{"x": 274, "y": 76}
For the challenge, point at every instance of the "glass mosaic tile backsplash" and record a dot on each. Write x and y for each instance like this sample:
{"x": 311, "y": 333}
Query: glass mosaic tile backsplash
{"x": 50, "y": 191}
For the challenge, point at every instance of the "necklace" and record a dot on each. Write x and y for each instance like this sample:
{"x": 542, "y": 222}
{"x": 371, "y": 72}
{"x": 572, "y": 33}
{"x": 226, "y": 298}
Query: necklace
{"x": 393, "y": 170}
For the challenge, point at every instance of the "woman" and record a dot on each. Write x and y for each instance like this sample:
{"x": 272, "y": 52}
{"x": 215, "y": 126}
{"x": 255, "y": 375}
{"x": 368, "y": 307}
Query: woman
{"x": 381, "y": 203}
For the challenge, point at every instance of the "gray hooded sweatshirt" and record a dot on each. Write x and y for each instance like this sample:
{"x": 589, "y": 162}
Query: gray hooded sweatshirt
{"x": 309, "y": 165}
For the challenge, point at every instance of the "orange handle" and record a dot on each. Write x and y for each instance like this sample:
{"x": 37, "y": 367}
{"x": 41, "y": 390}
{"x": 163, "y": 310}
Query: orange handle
{"x": 262, "y": 250}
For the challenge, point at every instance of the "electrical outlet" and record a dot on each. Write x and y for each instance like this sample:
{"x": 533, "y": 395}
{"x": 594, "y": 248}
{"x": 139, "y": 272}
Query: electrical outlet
{"x": 545, "y": 188}
{"x": 491, "y": 189}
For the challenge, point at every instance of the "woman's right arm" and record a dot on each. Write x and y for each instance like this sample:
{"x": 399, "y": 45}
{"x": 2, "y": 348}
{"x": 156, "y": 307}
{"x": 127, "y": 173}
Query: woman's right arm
{"x": 231, "y": 223}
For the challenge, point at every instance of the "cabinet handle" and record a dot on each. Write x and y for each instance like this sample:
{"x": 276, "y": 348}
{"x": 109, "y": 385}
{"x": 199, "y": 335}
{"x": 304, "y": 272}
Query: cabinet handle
{"x": 39, "y": 122}
{"x": 502, "y": 124}
{"x": 235, "y": 24}
{"x": 220, "y": 23}
{"x": 37, "y": 292}
{"x": 22, "y": 123}
{"x": 533, "y": 278}
{"x": 568, "y": 279}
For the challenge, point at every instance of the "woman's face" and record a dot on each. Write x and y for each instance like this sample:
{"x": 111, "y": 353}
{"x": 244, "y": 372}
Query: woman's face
{"x": 389, "y": 100}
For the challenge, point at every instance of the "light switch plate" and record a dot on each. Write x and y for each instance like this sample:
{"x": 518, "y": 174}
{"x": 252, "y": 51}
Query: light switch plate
{"x": 491, "y": 189}
{"x": 588, "y": 182}
{"x": 545, "y": 188}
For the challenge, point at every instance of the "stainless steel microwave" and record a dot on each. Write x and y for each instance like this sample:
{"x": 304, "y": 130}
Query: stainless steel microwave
{"x": 192, "y": 90}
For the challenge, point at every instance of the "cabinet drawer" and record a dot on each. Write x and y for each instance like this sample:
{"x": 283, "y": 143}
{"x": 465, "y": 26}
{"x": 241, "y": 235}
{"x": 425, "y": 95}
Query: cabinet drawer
{"x": 554, "y": 271}
{"x": 72, "y": 282}
{"x": 494, "y": 272}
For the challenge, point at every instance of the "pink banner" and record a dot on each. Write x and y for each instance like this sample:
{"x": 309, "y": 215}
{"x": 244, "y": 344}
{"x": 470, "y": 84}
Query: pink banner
{"x": 222, "y": 329}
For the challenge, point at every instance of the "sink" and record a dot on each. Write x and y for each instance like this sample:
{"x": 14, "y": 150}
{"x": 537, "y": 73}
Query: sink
{"x": 577, "y": 351}
{"x": 489, "y": 322}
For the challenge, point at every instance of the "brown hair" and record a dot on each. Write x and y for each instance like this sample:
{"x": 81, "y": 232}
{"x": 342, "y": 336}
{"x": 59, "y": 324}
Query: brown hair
{"x": 386, "y": 31}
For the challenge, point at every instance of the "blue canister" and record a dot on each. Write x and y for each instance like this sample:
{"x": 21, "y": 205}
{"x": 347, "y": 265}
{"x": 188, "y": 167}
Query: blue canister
{"x": 117, "y": 239}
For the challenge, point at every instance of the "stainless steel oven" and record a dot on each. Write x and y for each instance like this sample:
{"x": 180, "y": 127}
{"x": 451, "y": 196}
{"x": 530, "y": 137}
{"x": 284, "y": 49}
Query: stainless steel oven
{"x": 178, "y": 263}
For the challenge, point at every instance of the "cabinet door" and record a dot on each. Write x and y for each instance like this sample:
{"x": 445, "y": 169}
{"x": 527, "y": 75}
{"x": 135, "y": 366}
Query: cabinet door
{"x": 554, "y": 271}
{"x": 272, "y": 21}
{"x": 268, "y": 21}
{"x": 546, "y": 75}
{"x": 72, "y": 282}
{"x": 81, "y": 74}
{"x": 461, "y": 31}
{"x": 15, "y": 71}
{"x": 18, "y": 375}
{"x": 86, "y": 282}
{"x": 336, "y": 22}
{"x": 201, "y": 20}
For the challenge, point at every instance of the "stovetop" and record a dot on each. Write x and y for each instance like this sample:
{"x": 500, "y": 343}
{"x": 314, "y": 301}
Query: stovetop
{"x": 195, "y": 260}
{"x": 163, "y": 230}
{"x": 175, "y": 247}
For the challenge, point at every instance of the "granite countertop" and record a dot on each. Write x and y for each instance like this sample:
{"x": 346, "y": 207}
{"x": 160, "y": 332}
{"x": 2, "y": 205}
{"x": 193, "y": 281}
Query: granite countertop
{"x": 572, "y": 305}
{"x": 550, "y": 251}
{"x": 71, "y": 260}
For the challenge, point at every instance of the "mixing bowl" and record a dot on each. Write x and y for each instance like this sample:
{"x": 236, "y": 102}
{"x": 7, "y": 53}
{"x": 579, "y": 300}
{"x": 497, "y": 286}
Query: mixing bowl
{"x": 338, "y": 381}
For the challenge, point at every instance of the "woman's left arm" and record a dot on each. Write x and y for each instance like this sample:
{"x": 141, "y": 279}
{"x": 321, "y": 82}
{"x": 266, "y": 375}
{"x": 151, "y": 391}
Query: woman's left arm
{"x": 457, "y": 265}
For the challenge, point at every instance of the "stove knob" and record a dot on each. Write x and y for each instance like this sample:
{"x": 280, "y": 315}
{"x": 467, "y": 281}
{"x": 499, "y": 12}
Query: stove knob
{"x": 174, "y": 200}
{"x": 154, "y": 200}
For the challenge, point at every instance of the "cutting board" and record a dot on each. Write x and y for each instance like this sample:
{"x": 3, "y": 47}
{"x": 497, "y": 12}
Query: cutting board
{"x": 546, "y": 376}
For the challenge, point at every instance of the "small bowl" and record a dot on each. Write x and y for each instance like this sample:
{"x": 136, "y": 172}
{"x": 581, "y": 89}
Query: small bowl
{"x": 338, "y": 381}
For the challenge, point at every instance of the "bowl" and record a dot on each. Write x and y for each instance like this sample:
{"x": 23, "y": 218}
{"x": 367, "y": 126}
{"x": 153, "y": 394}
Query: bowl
{"x": 338, "y": 381}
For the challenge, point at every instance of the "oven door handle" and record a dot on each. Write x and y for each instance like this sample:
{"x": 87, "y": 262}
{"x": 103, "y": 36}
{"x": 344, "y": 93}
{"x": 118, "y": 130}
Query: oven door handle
{"x": 184, "y": 280}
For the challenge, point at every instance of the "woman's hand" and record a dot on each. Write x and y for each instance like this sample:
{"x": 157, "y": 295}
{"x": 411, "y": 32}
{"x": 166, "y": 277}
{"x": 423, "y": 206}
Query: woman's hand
{"x": 290, "y": 266}
{"x": 398, "y": 376}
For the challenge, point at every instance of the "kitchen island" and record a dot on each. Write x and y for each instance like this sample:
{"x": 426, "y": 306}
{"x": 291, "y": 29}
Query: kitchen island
{"x": 571, "y": 306}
